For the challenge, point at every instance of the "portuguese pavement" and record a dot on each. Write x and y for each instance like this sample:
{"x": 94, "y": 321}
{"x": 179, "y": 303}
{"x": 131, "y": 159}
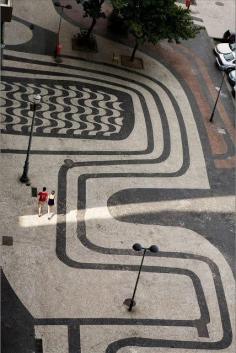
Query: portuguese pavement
{"x": 133, "y": 158}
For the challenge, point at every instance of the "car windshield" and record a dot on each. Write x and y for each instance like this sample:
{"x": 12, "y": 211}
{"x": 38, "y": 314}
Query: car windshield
{"x": 232, "y": 46}
{"x": 229, "y": 56}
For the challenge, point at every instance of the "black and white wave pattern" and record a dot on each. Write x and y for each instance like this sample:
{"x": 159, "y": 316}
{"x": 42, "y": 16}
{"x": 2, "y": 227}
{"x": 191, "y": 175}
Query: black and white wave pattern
{"x": 65, "y": 110}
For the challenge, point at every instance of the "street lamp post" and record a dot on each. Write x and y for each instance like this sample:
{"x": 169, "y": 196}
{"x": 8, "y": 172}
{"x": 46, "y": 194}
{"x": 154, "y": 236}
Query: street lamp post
{"x": 24, "y": 178}
{"x": 137, "y": 247}
{"x": 2, "y": 42}
{"x": 58, "y": 48}
{"x": 214, "y": 108}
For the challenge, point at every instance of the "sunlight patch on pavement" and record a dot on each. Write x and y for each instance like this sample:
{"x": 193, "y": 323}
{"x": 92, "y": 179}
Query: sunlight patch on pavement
{"x": 35, "y": 221}
{"x": 221, "y": 204}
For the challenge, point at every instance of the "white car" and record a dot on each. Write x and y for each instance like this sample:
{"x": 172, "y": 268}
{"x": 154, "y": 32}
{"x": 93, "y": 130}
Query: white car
{"x": 225, "y": 48}
{"x": 226, "y": 61}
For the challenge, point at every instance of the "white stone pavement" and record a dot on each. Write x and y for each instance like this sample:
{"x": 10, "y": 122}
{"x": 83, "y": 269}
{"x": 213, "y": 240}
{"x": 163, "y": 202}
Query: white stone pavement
{"x": 217, "y": 16}
{"x": 48, "y": 287}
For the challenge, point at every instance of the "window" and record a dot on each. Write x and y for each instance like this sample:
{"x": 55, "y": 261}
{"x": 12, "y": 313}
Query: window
{"x": 229, "y": 56}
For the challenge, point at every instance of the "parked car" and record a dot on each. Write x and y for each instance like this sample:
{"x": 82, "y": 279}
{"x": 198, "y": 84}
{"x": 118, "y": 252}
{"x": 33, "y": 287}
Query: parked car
{"x": 225, "y": 48}
{"x": 232, "y": 77}
{"x": 226, "y": 61}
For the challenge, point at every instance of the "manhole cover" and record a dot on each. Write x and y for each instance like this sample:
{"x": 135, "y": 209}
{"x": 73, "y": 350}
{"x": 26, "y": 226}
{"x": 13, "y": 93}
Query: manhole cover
{"x": 219, "y": 3}
{"x": 34, "y": 192}
{"x": 7, "y": 240}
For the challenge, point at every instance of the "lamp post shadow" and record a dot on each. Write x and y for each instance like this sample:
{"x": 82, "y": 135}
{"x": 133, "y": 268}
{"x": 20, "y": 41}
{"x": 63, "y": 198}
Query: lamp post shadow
{"x": 130, "y": 302}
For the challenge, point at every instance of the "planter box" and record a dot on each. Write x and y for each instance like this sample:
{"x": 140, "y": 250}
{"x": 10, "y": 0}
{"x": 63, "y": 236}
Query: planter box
{"x": 137, "y": 63}
{"x": 80, "y": 42}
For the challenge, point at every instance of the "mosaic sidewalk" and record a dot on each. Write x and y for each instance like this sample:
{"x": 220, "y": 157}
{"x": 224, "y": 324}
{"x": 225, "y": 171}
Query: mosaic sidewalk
{"x": 132, "y": 159}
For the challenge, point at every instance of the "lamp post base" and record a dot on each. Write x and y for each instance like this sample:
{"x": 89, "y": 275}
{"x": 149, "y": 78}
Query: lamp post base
{"x": 24, "y": 180}
{"x": 211, "y": 118}
{"x": 129, "y": 303}
{"x": 58, "y": 59}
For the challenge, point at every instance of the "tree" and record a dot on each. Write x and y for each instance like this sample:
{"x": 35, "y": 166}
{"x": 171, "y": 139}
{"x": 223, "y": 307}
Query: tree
{"x": 155, "y": 20}
{"x": 93, "y": 9}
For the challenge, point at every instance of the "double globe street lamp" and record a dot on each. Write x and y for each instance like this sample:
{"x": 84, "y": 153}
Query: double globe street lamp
{"x": 24, "y": 178}
{"x": 138, "y": 247}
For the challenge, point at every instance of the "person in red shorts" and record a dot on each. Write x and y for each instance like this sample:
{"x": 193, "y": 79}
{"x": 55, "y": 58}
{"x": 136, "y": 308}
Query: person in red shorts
{"x": 42, "y": 199}
{"x": 188, "y": 3}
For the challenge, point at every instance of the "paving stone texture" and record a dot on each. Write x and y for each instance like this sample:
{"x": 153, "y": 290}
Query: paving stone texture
{"x": 132, "y": 158}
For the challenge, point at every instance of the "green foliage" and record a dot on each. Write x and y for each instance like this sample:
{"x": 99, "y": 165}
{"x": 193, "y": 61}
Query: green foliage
{"x": 119, "y": 4}
{"x": 116, "y": 24}
{"x": 93, "y": 9}
{"x": 154, "y": 20}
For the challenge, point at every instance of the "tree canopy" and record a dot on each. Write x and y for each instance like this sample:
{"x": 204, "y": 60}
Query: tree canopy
{"x": 155, "y": 20}
{"x": 93, "y": 9}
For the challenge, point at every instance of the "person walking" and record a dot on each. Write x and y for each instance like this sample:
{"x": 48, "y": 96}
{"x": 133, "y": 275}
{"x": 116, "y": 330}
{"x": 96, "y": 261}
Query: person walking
{"x": 187, "y": 4}
{"x": 51, "y": 200}
{"x": 42, "y": 198}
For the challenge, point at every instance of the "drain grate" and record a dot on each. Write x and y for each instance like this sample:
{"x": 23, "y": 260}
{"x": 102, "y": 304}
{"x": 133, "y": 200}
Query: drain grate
{"x": 34, "y": 192}
{"x": 219, "y": 3}
{"x": 38, "y": 345}
{"x": 7, "y": 240}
